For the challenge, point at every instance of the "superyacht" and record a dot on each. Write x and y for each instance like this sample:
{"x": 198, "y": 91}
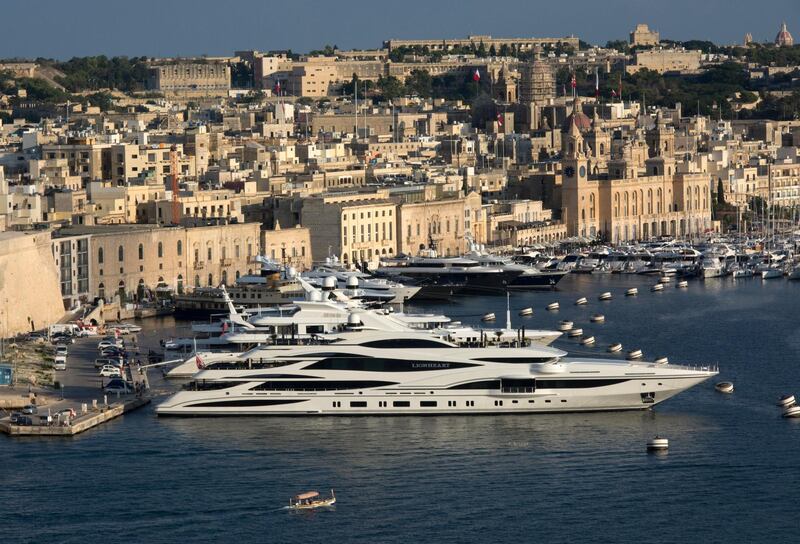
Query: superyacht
{"x": 377, "y": 373}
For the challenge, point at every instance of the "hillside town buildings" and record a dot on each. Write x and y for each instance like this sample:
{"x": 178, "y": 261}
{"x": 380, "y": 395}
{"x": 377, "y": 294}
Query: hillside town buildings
{"x": 183, "y": 189}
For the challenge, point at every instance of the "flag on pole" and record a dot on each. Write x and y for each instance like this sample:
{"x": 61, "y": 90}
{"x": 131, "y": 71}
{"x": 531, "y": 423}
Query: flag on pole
{"x": 564, "y": 89}
{"x": 596, "y": 84}
{"x": 619, "y": 93}
{"x": 278, "y": 88}
{"x": 224, "y": 327}
{"x": 613, "y": 93}
{"x": 500, "y": 119}
{"x": 573, "y": 83}
{"x": 476, "y": 75}
{"x": 199, "y": 362}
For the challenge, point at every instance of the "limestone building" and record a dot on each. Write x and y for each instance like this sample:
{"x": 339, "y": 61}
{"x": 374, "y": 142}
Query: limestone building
{"x": 191, "y": 78}
{"x": 784, "y": 38}
{"x": 642, "y": 35}
{"x": 358, "y": 227}
{"x": 444, "y": 225}
{"x": 632, "y": 201}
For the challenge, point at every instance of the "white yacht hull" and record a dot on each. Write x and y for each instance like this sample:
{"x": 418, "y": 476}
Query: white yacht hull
{"x": 624, "y": 396}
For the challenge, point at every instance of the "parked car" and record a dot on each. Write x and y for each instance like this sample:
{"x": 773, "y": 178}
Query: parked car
{"x": 30, "y": 409}
{"x": 104, "y": 344}
{"x": 118, "y": 386}
{"x": 60, "y": 362}
{"x": 61, "y": 349}
{"x": 109, "y": 371}
{"x": 24, "y": 421}
{"x": 106, "y": 361}
{"x": 15, "y": 417}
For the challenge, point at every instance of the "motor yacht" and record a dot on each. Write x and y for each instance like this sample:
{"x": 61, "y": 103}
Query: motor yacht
{"x": 375, "y": 373}
{"x": 443, "y": 277}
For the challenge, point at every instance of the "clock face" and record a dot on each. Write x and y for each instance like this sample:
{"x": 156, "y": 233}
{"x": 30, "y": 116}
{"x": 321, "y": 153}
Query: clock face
{"x": 583, "y": 171}
{"x": 569, "y": 171}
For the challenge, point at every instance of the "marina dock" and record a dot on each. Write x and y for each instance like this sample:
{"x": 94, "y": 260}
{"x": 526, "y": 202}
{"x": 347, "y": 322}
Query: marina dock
{"x": 92, "y": 418}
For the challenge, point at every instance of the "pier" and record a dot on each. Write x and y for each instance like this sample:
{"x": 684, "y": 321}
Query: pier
{"x": 83, "y": 422}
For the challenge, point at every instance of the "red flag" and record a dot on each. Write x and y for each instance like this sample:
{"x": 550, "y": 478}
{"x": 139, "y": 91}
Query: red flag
{"x": 199, "y": 362}
{"x": 224, "y": 326}
{"x": 500, "y": 119}
{"x": 613, "y": 93}
{"x": 573, "y": 83}
{"x": 278, "y": 88}
{"x": 476, "y": 76}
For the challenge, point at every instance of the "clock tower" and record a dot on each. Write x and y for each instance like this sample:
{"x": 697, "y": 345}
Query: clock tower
{"x": 576, "y": 192}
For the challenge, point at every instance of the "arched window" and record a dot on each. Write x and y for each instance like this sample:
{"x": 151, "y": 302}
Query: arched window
{"x": 180, "y": 284}
{"x": 237, "y": 272}
{"x": 101, "y": 291}
{"x": 100, "y": 255}
{"x": 180, "y": 248}
{"x": 224, "y": 277}
{"x": 210, "y": 280}
{"x": 197, "y": 281}
{"x": 120, "y": 254}
{"x": 160, "y": 250}
{"x": 224, "y": 252}
{"x": 141, "y": 252}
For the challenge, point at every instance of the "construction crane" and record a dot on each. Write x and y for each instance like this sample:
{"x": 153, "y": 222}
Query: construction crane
{"x": 176, "y": 207}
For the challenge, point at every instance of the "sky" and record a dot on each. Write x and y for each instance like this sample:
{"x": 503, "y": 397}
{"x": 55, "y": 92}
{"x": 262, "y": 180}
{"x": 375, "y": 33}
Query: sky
{"x": 65, "y": 28}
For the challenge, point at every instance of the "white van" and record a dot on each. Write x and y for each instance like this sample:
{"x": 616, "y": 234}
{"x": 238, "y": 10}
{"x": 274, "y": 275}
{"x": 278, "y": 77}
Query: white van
{"x": 60, "y": 362}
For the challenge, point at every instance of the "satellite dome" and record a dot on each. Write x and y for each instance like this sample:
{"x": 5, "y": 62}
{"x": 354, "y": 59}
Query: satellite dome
{"x": 329, "y": 283}
{"x": 352, "y": 282}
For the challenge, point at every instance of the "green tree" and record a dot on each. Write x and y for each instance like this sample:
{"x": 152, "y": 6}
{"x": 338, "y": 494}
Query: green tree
{"x": 720, "y": 193}
{"x": 420, "y": 83}
{"x": 390, "y": 87}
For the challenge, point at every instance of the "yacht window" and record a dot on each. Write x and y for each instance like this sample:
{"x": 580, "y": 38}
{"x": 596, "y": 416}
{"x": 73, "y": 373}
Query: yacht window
{"x": 401, "y": 404}
{"x": 576, "y": 384}
{"x": 427, "y": 404}
{"x": 400, "y": 343}
{"x": 370, "y": 364}
{"x": 243, "y": 402}
{"x": 483, "y": 384}
{"x": 358, "y": 404}
{"x": 518, "y": 386}
{"x": 525, "y": 360}
{"x": 320, "y": 385}
{"x": 203, "y": 385}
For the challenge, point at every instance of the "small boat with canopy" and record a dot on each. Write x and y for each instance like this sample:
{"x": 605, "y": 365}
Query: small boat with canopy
{"x": 311, "y": 500}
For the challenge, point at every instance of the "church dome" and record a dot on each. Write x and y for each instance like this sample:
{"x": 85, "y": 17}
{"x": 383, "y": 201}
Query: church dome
{"x": 581, "y": 121}
{"x": 784, "y": 38}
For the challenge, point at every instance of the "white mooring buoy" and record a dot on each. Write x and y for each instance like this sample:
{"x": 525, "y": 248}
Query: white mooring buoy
{"x": 575, "y": 332}
{"x": 526, "y": 312}
{"x": 605, "y": 296}
{"x": 791, "y": 411}
{"x": 683, "y": 284}
{"x": 565, "y": 325}
{"x": 657, "y": 444}
{"x": 581, "y": 301}
{"x": 488, "y": 317}
{"x": 786, "y": 401}
{"x": 588, "y": 341}
{"x": 724, "y": 387}
{"x": 553, "y": 306}
{"x": 597, "y": 318}
{"x": 615, "y": 348}
{"x": 657, "y": 287}
{"x": 632, "y": 292}
{"x": 661, "y": 361}
{"x": 634, "y": 354}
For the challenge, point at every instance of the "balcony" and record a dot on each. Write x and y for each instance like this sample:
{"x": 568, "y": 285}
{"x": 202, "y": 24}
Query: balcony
{"x": 199, "y": 265}
{"x": 226, "y": 262}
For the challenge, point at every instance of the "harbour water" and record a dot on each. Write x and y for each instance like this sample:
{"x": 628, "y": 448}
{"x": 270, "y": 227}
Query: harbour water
{"x": 730, "y": 475}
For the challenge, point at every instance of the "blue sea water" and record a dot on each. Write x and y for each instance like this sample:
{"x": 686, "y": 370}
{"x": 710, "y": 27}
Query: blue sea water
{"x": 731, "y": 474}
